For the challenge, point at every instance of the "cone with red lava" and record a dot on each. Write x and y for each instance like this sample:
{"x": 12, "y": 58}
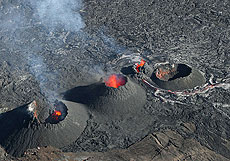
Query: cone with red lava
{"x": 114, "y": 96}
{"x": 115, "y": 80}
{"x": 33, "y": 125}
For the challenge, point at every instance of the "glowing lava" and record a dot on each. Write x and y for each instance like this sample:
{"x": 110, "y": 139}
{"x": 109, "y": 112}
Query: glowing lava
{"x": 142, "y": 63}
{"x": 56, "y": 114}
{"x": 115, "y": 80}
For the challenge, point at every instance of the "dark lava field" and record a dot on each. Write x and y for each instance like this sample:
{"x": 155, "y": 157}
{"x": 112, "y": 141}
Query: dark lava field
{"x": 171, "y": 60}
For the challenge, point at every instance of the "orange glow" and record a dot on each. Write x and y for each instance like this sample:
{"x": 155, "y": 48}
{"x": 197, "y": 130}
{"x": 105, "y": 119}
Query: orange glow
{"x": 56, "y": 114}
{"x": 36, "y": 116}
{"x": 34, "y": 103}
{"x": 142, "y": 63}
{"x": 115, "y": 80}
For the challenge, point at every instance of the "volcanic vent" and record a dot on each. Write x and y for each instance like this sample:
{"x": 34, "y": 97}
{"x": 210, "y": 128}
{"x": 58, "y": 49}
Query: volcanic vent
{"x": 30, "y": 126}
{"x": 114, "y": 96}
{"x": 115, "y": 80}
{"x": 58, "y": 114}
{"x": 177, "y": 77}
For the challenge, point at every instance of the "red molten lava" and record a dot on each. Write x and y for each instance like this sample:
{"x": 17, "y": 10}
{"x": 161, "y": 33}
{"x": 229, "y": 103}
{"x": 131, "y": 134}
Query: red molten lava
{"x": 115, "y": 80}
{"x": 56, "y": 114}
{"x": 142, "y": 63}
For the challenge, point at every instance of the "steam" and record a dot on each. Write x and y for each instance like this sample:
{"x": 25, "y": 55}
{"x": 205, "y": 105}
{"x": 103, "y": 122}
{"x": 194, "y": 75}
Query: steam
{"x": 110, "y": 42}
{"x": 53, "y": 14}
{"x": 40, "y": 71}
{"x": 10, "y": 19}
{"x": 19, "y": 21}
{"x": 27, "y": 27}
{"x": 60, "y": 13}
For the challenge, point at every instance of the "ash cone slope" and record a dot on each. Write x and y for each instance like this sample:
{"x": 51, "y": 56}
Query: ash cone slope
{"x": 108, "y": 101}
{"x": 21, "y": 132}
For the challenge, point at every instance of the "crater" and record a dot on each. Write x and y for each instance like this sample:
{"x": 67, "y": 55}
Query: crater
{"x": 177, "y": 77}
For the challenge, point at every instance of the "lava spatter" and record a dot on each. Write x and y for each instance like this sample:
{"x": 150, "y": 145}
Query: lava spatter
{"x": 115, "y": 80}
{"x": 142, "y": 63}
{"x": 56, "y": 114}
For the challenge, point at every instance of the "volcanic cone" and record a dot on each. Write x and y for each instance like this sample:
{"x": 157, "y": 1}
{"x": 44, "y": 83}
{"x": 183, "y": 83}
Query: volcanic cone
{"x": 108, "y": 98}
{"x": 177, "y": 77}
{"x": 21, "y": 128}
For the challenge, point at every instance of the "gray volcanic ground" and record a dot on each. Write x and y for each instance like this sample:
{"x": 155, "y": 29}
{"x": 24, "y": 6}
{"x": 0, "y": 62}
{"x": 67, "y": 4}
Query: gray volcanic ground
{"x": 48, "y": 48}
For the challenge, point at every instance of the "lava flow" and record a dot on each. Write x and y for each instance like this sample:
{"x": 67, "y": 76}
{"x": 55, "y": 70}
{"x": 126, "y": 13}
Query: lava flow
{"x": 142, "y": 63}
{"x": 32, "y": 107}
{"x": 115, "y": 80}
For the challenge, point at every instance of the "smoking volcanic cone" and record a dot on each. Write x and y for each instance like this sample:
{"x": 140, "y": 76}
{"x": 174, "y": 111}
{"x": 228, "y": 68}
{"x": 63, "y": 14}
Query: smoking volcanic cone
{"x": 22, "y": 128}
{"x": 114, "y": 96}
{"x": 177, "y": 77}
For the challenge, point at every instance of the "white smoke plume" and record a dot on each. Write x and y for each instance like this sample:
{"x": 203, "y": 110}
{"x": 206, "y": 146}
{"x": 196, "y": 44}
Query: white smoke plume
{"x": 39, "y": 69}
{"x": 60, "y": 13}
{"x": 19, "y": 20}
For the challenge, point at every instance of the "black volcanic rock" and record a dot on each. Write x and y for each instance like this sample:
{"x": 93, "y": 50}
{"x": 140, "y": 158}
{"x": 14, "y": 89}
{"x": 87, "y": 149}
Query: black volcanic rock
{"x": 166, "y": 145}
{"x": 119, "y": 33}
